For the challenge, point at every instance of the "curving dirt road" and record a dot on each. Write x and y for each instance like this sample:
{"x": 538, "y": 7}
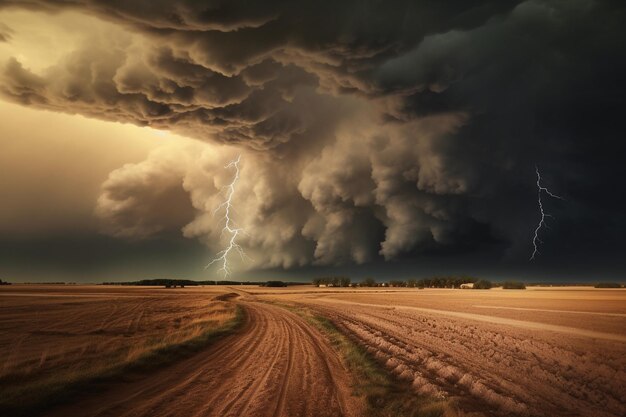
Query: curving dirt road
{"x": 275, "y": 365}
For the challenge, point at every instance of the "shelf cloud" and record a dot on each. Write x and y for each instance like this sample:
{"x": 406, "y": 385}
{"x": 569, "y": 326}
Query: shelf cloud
{"x": 368, "y": 130}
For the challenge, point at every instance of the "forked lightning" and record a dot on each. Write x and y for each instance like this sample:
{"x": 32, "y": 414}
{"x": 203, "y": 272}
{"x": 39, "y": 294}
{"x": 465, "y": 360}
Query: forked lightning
{"x": 542, "y": 222}
{"x": 230, "y": 227}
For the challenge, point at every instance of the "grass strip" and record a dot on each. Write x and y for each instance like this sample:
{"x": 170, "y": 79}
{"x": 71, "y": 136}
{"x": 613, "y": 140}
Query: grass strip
{"x": 384, "y": 395}
{"x": 33, "y": 398}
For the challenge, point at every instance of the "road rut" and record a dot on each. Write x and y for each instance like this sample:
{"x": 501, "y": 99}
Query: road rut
{"x": 276, "y": 365}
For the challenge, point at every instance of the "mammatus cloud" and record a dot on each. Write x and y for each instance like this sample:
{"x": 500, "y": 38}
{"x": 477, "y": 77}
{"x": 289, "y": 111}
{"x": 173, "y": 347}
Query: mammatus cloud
{"x": 367, "y": 131}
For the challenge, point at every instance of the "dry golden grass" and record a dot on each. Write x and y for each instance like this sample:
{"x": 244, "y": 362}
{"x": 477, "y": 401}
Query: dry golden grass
{"x": 54, "y": 337}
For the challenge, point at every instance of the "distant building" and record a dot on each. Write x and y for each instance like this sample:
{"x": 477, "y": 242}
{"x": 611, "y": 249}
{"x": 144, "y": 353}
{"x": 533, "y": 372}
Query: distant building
{"x": 467, "y": 286}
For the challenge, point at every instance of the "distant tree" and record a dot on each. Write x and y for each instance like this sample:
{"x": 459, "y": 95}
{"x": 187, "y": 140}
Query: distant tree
{"x": 323, "y": 281}
{"x": 513, "y": 285}
{"x": 369, "y": 282}
{"x": 442, "y": 282}
{"x": 411, "y": 283}
{"x": 4, "y": 282}
{"x": 344, "y": 281}
{"x": 483, "y": 284}
{"x": 317, "y": 281}
{"x": 607, "y": 285}
{"x": 335, "y": 281}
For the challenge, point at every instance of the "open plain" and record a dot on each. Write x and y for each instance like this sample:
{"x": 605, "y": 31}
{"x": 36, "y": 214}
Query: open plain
{"x": 536, "y": 352}
{"x": 542, "y": 351}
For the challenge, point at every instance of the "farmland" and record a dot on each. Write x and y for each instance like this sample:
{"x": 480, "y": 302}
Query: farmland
{"x": 541, "y": 351}
{"x": 535, "y": 352}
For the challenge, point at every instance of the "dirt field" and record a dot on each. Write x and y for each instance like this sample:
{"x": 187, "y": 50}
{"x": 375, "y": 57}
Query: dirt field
{"x": 539, "y": 352}
{"x": 275, "y": 365}
{"x": 552, "y": 352}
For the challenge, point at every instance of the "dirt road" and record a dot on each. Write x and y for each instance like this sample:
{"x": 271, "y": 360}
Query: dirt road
{"x": 276, "y": 365}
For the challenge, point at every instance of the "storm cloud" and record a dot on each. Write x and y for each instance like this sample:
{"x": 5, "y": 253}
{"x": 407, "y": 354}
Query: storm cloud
{"x": 368, "y": 130}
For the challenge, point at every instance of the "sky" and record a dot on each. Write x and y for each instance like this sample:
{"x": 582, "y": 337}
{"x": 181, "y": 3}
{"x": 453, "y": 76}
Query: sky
{"x": 390, "y": 139}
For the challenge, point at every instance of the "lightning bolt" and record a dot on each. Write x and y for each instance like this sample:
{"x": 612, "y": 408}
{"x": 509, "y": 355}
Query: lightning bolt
{"x": 542, "y": 222}
{"x": 230, "y": 227}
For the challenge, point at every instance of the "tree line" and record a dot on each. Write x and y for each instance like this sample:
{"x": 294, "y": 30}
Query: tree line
{"x": 443, "y": 282}
{"x": 435, "y": 282}
{"x": 332, "y": 281}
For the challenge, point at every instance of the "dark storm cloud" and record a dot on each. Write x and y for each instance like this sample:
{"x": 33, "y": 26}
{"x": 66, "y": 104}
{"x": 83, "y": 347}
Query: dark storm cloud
{"x": 97, "y": 258}
{"x": 374, "y": 128}
{"x": 196, "y": 71}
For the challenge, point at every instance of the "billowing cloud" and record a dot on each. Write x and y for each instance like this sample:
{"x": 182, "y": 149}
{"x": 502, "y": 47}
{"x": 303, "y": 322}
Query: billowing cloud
{"x": 369, "y": 131}
{"x": 147, "y": 198}
{"x": 231, "y": 72}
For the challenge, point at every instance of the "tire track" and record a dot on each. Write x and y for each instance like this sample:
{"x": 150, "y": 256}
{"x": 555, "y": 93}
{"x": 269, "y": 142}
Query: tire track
{"x": 277, "y": 365}
{"x": 280, "y": 405}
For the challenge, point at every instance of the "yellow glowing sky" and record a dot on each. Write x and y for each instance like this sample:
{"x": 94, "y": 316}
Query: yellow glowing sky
{"x": 53, "y": 164}
{"x": 41, "y": 39}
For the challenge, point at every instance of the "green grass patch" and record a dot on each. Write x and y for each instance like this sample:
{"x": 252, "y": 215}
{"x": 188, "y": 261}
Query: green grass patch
{"x": 383, "y": 394}
{"x": 34, "y": 397}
